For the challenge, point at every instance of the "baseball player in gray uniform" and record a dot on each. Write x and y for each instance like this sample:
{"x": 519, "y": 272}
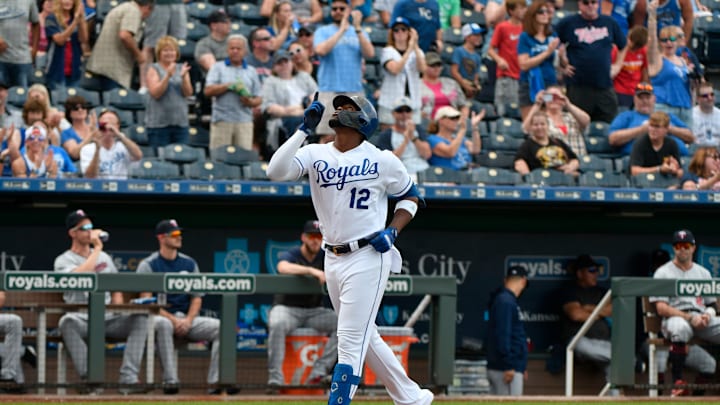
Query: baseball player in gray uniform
{"x": 685, "y": 317}
{"x": 86, "y": 255}
{"x": 350, "y": 183}
{"x": 11, "y": 375}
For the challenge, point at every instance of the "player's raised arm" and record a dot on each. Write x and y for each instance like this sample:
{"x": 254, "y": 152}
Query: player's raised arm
{"x": 281, "y": 167}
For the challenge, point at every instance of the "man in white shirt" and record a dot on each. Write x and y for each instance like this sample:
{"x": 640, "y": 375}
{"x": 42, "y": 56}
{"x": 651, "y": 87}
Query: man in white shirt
{"x": 110, "y": 153}
{"x": 706, "y": 117}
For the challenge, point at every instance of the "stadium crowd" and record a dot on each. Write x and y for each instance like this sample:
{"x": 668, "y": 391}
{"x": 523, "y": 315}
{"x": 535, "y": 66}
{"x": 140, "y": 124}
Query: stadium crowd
{"x": 602, "y": 93}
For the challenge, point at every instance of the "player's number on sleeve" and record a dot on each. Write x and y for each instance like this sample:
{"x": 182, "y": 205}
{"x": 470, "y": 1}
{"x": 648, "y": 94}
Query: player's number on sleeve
{"x": 359, "y": 198}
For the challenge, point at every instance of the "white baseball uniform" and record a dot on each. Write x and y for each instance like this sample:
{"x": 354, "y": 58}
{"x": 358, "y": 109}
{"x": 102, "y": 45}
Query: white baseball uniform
{"x": 350, "y": 193}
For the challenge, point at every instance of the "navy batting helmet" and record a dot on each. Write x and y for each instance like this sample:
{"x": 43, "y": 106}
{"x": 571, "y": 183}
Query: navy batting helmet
{"x": 365, "y": 120}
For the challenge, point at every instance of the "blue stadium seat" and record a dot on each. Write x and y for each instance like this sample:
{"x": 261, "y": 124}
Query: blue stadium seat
{"x": 180, "y": 153}
{"x": 255, "y": 171}
{"x": 125, "y": 99}
{"x": 452, "y": 36}
{"x": 104, "y": 7}
{"x": 496, "y": 158}
{"x": 495, "y": 176}
{"x": 234, "y": 155}
{"x": 237, "y": 27}
{"x": 200, "y": 10}
{"x": 443, "y": 175}
{"x": 138, "y": 134}
{"x": 599, "y": 145}
{"x": 602, "y": 179}
{"x": 598, "y": 128}
{"x": 199, "y": 137}
{"x": 549, "y": 177}
{"x": 91, "y": 83}
{"x": 59, "y": 96}
{"x": 512, "y": 110}
{"x": 595, "y": 163}
{"x": 17, "y": 96}
{"x": 187, "y": 50}
{"x": 472, "y": 16}
{"x": 490, "y": 112}
{"x": 210, "y": 170}
{"x": 446, "y": 54}
{"x": 503, "y": 142}
{"x": 154, "y": 169}
{"x": 654, "y": 180}
{"x": 196, "y": 30}
{"x": 378, "y": 35}
{"x": 510, "y": 127}
{"x": 248, "y": 13}
{"x": 37, "y": 76}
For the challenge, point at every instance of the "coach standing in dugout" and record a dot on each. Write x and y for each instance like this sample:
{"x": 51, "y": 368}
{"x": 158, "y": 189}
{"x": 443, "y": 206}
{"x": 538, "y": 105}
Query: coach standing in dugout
{"x": 506, "y": 341}
{"x": 360, "y": 255}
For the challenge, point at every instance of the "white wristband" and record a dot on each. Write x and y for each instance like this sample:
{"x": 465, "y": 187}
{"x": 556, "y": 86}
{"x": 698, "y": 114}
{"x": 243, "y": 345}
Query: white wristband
{"x": 710, "y": 311}
{"x": 408, "y": 206}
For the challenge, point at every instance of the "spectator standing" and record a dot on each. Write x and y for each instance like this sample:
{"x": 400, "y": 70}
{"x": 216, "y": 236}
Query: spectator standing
{"x": 181, "y": 318}
{"x": 504, "y": 51}
{"x": 110, "y": 153}
{"x": 449, "y": 146}
{"x": 589, "y": 37}
{"x": 629, "y": 125}
{"x": 685, "y": 317}
{"x": 341, "y": 48}
{"x": 703, "y": 171}
{"x": 308, "y": 12}
{"x": 261, "y": 53}
{"x": 213, "y": 47}
{"x": 439, "y": 91}
{"x": 654, "y": 153}
{"x": 506, "y": 339}
{"x": 284, "y": 95}
{"x": 631, "y": 69}
{"x": 68, "y": 43}
{"x": 536, "y": 52}
{"x": 235, "y": 88}
{"x": 83, "y": 125}
{"x": 542, "y": 151}
{"x": 8, "y": 115}
{"x": 466, "y": 62}
{"x": 116, "y": 49}
{"x": 706, "y": 117}
{"x": 86, "y": 255}
{"x": 17, "y": 51}
{"x": 282, "y": 25}
{"x": 403, "y": 63}
{"x": 404, "y": 139}
{"x": 578, "y": 302}
{"x": 169, "y": 17}
{"x": 45, "y": 8}
{"x": 424, "y": 16}
{"x": 678, "y": 13}
{"x": 668, "y": 72}
{"x": 566, "y": 121}
{"x": 292, "y": 311}
{"x": 626, "y": 13}
{"x": 168, "y": 83}
{"x": 449, "y": 13}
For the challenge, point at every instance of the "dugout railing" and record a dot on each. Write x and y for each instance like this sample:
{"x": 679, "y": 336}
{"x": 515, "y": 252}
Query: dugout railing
{"x": 625, "y": 291}
{"x": 442, "y": 311}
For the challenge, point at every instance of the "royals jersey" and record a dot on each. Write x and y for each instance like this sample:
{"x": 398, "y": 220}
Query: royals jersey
{"x": 347, "y": 186}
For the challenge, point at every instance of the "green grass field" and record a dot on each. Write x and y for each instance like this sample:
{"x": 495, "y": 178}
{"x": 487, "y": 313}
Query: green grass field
{"x": 442, "y": 401}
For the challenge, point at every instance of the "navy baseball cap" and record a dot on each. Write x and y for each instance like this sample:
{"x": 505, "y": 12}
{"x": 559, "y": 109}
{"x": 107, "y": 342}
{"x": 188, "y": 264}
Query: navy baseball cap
{"x": 312, "y": 226}
{"x": 516, "y": 271}
{"x": 74, "y": 218}
{"x": 400, "y": 20}
{"x": 167, "y": 226}
{"x": 683, "y": 235}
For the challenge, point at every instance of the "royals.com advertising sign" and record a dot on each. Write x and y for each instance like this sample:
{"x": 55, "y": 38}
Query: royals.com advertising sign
{"x": 477, "y": 260}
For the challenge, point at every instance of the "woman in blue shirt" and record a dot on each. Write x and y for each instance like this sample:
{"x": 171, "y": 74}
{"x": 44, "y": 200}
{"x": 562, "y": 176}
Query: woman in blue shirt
{"x": 536, "y": 51}
{"x": 449, "y": 146}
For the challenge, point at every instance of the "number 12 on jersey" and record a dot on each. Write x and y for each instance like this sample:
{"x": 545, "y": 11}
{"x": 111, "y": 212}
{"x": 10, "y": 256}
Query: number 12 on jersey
{"x": 359, "y": 198}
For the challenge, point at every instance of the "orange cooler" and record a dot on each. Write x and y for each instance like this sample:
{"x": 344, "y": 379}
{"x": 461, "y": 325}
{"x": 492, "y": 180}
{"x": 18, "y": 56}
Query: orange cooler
{"x": 302, "y": 347}
{"x": 399, "y": 339}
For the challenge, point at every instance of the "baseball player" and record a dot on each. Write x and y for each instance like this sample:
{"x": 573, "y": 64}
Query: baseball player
{"x": 350, "y": 183}
{"x": 685, "y": 317}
